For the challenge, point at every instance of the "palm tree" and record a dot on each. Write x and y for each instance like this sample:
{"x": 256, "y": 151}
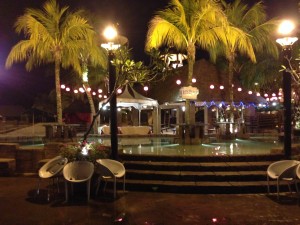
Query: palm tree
{"x": 52, "y": 35}
{"x": 252, "y": 21}
{"x": 186, "y": 24}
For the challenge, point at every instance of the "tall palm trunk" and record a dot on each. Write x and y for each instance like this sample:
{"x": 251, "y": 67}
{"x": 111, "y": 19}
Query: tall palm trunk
{"x": 189, "y": 113}
{"x": 231, "y": 59}
{"x": 92, "y": 105}
{"x": 230, "y": 76}
{"x": 58, "y": 91}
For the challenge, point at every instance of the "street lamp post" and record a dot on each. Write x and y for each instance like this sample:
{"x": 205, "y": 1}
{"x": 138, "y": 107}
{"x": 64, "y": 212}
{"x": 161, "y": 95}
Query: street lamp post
{"x": 110, "y": 34}
{"x": 285, "y": 29}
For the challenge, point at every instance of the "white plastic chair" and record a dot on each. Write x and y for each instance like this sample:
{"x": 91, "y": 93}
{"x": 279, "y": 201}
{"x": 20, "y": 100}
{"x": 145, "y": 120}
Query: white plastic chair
{"x": 110, "y": 169}
{"x": 77, "y": 172}
{"x": 51, "y": 169}
{"x": 284, "y": 170}
{"x": 298, "y": 178}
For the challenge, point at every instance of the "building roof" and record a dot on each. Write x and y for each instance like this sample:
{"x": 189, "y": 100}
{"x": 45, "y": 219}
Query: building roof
{"x": 130, "y": 98}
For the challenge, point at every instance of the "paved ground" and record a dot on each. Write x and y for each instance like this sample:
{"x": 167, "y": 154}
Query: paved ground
{"x": 18, "y": 206}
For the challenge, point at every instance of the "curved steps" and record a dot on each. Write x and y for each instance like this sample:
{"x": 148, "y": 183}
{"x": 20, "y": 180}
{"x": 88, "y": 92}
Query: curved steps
{"x": 213, "y": 175}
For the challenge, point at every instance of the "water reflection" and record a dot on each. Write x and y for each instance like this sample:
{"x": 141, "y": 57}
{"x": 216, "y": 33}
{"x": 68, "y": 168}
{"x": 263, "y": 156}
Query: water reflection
{"x": 167, "y": 146}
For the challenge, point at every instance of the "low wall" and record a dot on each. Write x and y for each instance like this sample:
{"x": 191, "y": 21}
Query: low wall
{"x": 135, "y": 130}
{"x": 27, "y": 160}
{"x": 8, "y": 150}
{"x": 16, "y": 159}
{"x": 127, "y": 130}
{"x": 8, "y": 153}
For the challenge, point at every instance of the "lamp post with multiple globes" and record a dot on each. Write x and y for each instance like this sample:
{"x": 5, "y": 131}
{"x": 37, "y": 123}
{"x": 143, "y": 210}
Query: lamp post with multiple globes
{"x": 286, "y": 41}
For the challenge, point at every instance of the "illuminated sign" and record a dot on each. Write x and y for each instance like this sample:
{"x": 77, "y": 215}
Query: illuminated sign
{"x": 189, "y": 93}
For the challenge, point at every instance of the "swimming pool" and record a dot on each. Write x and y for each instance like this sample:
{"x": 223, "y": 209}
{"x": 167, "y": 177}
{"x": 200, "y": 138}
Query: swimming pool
{"x": 167, "y": 146}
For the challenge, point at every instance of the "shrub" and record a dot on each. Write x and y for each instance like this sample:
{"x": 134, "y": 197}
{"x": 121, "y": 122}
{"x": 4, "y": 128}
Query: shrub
{"x": 85, "y": 152}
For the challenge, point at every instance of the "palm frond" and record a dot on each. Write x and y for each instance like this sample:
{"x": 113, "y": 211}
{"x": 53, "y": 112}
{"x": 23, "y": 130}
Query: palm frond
{"x": 163, "y": 32}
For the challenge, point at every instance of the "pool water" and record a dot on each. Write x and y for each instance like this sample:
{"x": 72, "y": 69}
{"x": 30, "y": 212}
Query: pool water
{"x": 167, "y": 146}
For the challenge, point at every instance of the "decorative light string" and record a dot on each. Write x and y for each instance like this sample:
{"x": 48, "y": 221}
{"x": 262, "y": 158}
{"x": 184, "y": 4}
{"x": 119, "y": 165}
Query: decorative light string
{"x": 271, "y": 101}
{"x": 225, "y": 105}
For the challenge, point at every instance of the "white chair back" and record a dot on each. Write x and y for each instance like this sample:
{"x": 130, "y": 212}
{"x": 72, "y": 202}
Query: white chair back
{"x": 78, "y": 171}
{"x": 109, "y": 167}
{"x": 52, "y": 167}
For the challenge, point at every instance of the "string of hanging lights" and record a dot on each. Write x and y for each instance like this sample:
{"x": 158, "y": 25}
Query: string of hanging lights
{"x": 271, "y": 99}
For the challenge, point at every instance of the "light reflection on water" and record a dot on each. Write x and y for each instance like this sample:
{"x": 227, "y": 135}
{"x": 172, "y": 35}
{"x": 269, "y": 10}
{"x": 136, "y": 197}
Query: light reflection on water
{"x": 167, "y": 146}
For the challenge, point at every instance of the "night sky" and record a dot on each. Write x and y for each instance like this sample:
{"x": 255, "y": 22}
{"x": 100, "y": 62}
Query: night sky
{"x": 19, "y": 87}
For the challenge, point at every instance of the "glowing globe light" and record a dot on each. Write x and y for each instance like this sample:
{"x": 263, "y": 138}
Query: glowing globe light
{"x": 75, "y": 91}
{"x": 221, "y": 87}
{"x": 239, "y": 89}
{"x": 81, "y": 90}
{"x": 89, "y": 89}
{"x": 250, "y": 92}
{"x": 286, "y": 27}
{"x": 211, "y": 86}
{"x": 93, "y": 93}
{"x": 257, "y": 94}
{"x": 62, "y": 86}
{"x": 68, "y": 89}
{"x": 100, "y": 96}
{"x": 178, "y": 82}
{"x": 110, "y": 32}
{"x": 119, "y": 91}
{"x": 194, "y": 80}
{"x": 105, "y": 96}
{"x": 266, "y": 95}
{"x": 100, "y": 91}
{"x": 146, "y": 88}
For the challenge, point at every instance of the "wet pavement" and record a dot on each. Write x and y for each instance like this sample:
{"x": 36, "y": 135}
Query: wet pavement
{"x": 20, "y": 206}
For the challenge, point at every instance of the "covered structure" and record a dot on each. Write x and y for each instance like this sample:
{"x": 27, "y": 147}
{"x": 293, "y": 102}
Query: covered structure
{"x": 130, "y": 98}
{"x": 211, "y": 106}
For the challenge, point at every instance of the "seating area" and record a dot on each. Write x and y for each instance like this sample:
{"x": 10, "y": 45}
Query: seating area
{"x": 52, "y": 170}
{"x": 287, "y": 171}
{"x": 76, "y": 172}
{"x": 110, "y": 170}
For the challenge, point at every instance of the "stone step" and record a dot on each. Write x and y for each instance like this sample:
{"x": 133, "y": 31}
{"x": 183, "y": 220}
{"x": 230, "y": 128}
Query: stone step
{"x": 197, "y": 166}
{"x": 200, "y": 187}
{"x": 196, "y": 175}
{"x": 223, "y": 158}
{"x": 202, "y": 174}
